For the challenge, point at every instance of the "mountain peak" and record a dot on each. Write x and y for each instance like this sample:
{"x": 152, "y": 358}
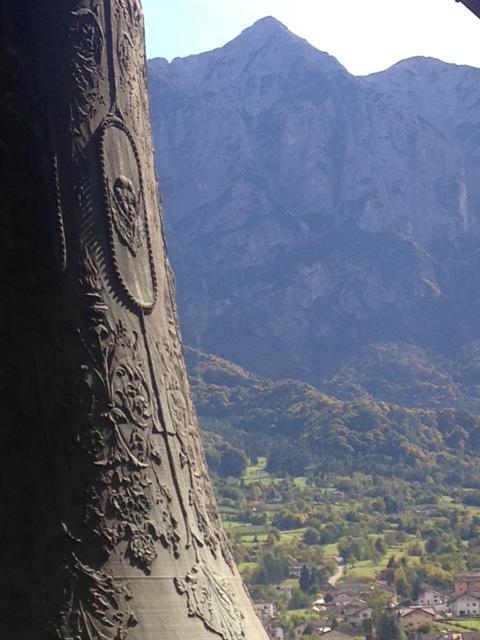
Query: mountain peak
{"x": 273, "y": 38}
{"x": 269, "y": 23}
{"x": 418, "y": 70}
{"x": 266, "y": 28}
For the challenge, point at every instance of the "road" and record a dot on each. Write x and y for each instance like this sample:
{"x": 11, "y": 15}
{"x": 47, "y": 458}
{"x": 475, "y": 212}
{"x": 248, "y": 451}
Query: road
{"x": 340, "y": 572}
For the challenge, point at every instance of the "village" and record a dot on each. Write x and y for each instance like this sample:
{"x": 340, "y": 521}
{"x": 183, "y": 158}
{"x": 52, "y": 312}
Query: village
{"x": 357, "y": 558}
{"x": 347, "y": 611}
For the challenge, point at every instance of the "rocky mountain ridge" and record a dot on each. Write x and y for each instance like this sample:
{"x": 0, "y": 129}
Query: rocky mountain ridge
{"x": 324, "y": 226}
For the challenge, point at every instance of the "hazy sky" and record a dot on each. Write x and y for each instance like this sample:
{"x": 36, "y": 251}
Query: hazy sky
{"x": 365, "y": 35}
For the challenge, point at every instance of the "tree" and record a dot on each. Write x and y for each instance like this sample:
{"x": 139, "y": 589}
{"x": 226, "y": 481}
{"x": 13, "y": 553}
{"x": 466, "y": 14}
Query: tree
{"x": 286, "y": 519}
{"x": 304, "y": 580}
{"x": 350, "y": 547}
{"x": 431, "y": 544}
{"x": 403, "y": 586}
{"x": 298, "y": 600}
{"x": 272, "y": 567}
{"x": 367, "y": 628}
{"x": 389, "y": 628}
{"x": 380, "y": 546}
{"x": 378, "y": 601}
{"x": 318, "y": 577}
{"x": 311, "y": 536}
{"x": 274, "y": 536}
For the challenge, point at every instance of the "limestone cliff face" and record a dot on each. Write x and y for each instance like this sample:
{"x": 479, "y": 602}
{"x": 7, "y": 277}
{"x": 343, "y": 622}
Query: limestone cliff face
{"x": 324, "y": 226}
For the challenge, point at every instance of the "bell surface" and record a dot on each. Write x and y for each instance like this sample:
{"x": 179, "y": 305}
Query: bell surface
{"x": 109, "y": 528}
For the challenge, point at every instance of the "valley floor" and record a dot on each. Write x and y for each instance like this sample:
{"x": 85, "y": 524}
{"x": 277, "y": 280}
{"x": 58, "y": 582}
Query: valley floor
{"x": 304, "y": 542}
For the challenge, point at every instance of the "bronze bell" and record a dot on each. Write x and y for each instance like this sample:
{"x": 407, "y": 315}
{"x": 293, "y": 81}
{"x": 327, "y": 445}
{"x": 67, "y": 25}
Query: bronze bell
{"x": 108, "y": 523}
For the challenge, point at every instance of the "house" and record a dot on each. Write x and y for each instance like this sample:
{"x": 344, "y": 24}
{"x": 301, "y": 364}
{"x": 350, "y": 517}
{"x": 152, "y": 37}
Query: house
{"x": 313, "y": 627}
{"x": 355, "y": 587}
{"x": 319, "y": 605}
{"x": 345, "y": 600}
{"x": 416, "y": 617}
{"x": 265, "y": 609}
{"x": 357, "y": 616}
{"x": 360, "y": 588}
{"x": 295, "y": 570}
{"x": 466, "y": 604}
{"x": 302, "y": 629}
{"x": 430, "y": 597}
{"x": 275, "y": 632}
{"x": 354, "y": 605}
{"x": 467, "y": 582}
{"x": 299, "y": 631}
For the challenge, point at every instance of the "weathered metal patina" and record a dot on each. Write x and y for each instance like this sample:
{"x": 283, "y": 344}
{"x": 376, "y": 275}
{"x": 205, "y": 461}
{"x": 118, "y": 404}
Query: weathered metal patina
{"x": 109, "y": 528}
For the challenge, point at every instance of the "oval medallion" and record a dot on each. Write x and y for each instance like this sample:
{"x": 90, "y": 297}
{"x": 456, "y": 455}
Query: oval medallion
{"x": 127, "y": 214}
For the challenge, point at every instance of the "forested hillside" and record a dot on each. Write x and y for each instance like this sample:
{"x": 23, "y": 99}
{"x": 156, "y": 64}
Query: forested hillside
{"x": 301, "y": 430}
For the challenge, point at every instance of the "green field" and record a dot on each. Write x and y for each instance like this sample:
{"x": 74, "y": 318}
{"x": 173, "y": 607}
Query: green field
{"x": 257, "y": 473}
{"x": 293, "y": 534}
{"x": 460, "y": 624}
{"x": 330, "y": 550}
{"x": 370, "y": 570}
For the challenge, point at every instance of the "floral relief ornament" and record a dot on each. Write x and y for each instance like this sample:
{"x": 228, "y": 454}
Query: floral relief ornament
{"x": 209, "y": 599}
{"x": 96, "y": 606}
{"x": 121, "y": 440}
{"x": 87, "y": 42}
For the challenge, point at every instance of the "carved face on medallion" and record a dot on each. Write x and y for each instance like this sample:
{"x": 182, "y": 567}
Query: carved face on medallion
{"x": 126, "y": 213}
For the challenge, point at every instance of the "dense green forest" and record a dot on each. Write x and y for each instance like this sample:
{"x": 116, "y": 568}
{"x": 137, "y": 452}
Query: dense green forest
{"x": 302, "y": 431}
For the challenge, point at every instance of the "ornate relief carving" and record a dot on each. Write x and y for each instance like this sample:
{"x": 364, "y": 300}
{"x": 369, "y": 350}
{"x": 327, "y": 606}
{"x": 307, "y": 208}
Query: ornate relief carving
{"x": 126, "y": 213}
{"x": 208, "y": 599}
{"x": 100, "y": 458}
{"x": 96, "y": 606}
{"x": 131, "y": 61}
{"x": 127, "y": 216}
{"x": 87, "y": 38}
{"x": 204, "y": 525}
{"x": 129, "y": 43}
{"x": 132, "y": 11}
{"x": 87, "y": 41}
{"x": 129, "y": 505}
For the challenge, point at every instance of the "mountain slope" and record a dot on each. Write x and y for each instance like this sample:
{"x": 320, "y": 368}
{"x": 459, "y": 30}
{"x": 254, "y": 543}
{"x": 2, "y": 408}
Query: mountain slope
{"x": 320, "y": 224}
{"x": 299, "y": 428}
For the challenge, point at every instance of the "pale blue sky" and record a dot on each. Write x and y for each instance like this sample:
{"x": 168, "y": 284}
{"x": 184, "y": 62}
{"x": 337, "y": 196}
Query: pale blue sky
{"x": 365, "y": 35}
